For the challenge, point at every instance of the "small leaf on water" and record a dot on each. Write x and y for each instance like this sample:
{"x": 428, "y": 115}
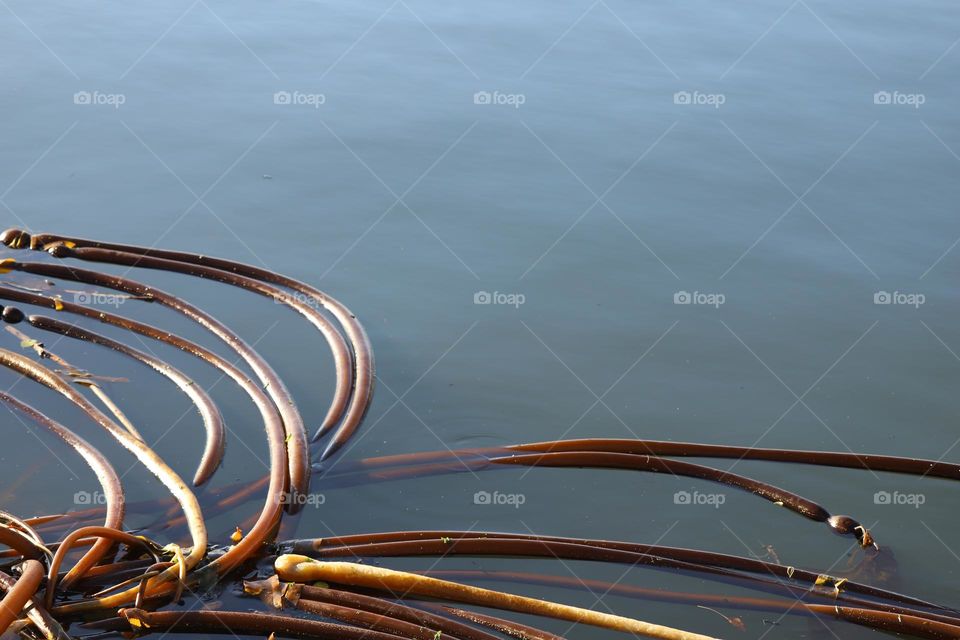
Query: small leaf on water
{"x": 822, "y": 579}
{"x": 57, "y": 304}
{"x": 29, "y": 342}
{"x": 137, "y": 622}
{"x": 237, "y": 535}
{"x": 837, "y": 586}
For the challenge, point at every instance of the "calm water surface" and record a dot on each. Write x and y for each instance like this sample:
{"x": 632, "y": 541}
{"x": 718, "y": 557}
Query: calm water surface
{"x": 583, "y": 166}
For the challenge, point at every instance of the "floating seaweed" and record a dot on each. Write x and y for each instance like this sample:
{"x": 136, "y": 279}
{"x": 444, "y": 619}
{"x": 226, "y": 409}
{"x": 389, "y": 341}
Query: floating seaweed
{"x": 127, "y": 583}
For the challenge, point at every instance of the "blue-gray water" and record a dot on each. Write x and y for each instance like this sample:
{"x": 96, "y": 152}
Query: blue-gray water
{"x": 789, "y": 162}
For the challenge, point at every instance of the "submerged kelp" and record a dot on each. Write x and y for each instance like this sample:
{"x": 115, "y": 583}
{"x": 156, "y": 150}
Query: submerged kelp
{"x": 123, "y": 582}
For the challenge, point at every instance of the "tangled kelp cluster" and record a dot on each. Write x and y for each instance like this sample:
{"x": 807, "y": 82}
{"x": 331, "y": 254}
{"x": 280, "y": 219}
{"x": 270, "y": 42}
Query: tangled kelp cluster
{"x": 119, "y": 582}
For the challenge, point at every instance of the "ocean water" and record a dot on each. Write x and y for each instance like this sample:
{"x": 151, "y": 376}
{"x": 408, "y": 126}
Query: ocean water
{"x": 723, "y": 222}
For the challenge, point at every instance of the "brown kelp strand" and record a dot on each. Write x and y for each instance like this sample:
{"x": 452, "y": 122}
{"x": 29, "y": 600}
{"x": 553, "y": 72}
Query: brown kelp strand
{"x": 367, "y": 620}
{"x": 328, "y": 547}
{"x": 20, "y": 593}
{"x": 76, "y": 374}
{"x": 790, "y": 606}
{"x": 21, "y": 543}
{"x": 233, "y": 623}
{"x": 342, "y": 357}
{"x": 844, "y": 525}
{"x": 866, "y": 461}
{"x": 356, "y": 335}
{"x": 447, "y": 627}
{"x": 209, "y": 413}
{"x": 304, "y": 569}
{"x": 9, "y": 520}
{"x": 144, "y": 454}
{"x": 104, "y": 533}
{"x": 98, "y": 463}
{"x": 46, "y": 550}
{"x": 296, "y": 441}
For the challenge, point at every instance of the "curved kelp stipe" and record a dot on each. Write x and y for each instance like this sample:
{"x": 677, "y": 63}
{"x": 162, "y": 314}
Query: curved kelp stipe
{"x": 356, "y": 335}
{"x": 296, "y": 438}
{"x": 137, "y": 447}
{"x": 110, "y": 486}
{"x": 341, "y": 354}
{"x": 268, "y": 411}
{"x": 209, "y": 413}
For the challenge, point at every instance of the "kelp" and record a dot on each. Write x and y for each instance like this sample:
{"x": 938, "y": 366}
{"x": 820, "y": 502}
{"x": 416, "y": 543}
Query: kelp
{"x": 127, "y": 582}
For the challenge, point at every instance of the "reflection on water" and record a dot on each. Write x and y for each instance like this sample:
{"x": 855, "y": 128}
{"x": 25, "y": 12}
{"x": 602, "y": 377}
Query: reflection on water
{"x": 706, "y": 222}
